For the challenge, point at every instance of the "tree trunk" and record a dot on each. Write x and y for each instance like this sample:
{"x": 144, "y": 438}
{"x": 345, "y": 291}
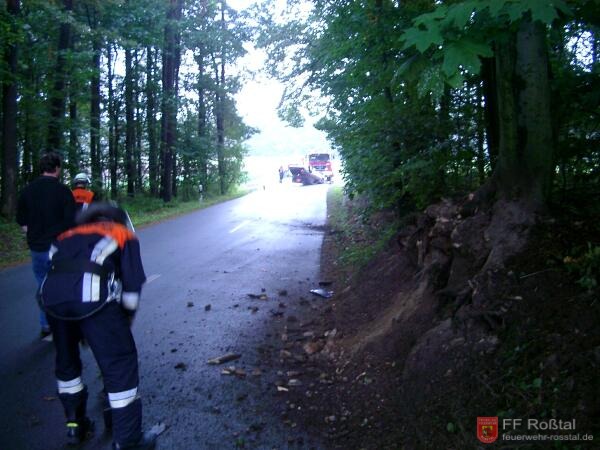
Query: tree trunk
{"x": 176, "y": 95}
{"x": 73, "y": 154}
{"x": 57, "y": 95}
{"x": 480, "y": 124}
{"x": 138, "y": 144}
{"x": 203, "y": 77}
{"x": 151, "y": 121}
{"x": 129, "y": 123}
{"x": 73, "y": 163}
{"x": 490, "y": 93}
{"x": 9, "y": 121}
{"x": 202, "y": 123}
{"x": 220, "y": 110}
{"x": 525, "y": 159}
{"x": 33, "y": 136}
{"x": 114, "y": 158}
{"x": 169, "y": 104}
{"x": 95, "y": 111}
{"x": 112, "y": 126}
{"x": 443, "y": 123}
{"x": 220, "y": 137}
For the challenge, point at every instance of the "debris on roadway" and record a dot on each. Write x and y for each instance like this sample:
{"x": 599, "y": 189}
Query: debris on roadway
{"x": 322, "y": 293}
{"x": 158, "y": 428}
{"x": 223, "y": 359}
{"x": 232, "y": 370}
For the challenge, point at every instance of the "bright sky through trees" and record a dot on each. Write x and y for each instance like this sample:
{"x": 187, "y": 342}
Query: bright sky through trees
{"x": 257, "y": 104}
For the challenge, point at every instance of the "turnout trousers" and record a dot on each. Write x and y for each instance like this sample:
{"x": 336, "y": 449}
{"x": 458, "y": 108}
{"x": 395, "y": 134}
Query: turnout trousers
{"x": 108, "y": 334}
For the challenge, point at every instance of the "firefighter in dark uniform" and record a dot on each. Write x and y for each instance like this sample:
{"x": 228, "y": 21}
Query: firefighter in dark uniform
{"x": 81, "y": 192}
{"x": 92, "y": 292}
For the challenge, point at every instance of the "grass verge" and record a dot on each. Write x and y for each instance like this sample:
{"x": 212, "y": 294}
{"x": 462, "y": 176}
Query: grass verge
{"x": 359, "y": 237}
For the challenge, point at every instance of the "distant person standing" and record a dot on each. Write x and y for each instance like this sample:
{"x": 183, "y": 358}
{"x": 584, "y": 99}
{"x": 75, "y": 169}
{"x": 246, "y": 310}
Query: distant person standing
{"x": 281, "y": 174}
{"x": 81, "y": 192}
{"x": 45, "y": 209}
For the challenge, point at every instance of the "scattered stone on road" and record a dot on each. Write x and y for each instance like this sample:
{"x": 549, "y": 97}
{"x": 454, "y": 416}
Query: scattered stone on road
{"x": 223, "y": 359}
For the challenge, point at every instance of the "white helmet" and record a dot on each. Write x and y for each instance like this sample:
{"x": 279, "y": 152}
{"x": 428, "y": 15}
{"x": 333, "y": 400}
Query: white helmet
{"x": 81, "y": 178}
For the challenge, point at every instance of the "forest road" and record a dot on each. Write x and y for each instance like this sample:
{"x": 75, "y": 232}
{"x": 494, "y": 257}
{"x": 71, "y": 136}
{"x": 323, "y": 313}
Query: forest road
{"x": 195, "y": 306}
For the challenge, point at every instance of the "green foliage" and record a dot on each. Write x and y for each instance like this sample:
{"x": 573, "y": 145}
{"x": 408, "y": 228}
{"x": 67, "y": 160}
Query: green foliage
{"x": 291, "y": 115}
{"x": 586, "y": 267}
{"x": 354, "y": 232}
{"x": 406, "y": 100}
{"x": 466, "y": 53}
{"x": 116, "y": 25}
{"x": 458, "y": 35}
{"x": 13, "y": 245}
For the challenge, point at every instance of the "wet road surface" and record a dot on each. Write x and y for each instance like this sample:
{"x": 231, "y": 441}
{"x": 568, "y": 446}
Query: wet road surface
{"x": 195, "y": 306}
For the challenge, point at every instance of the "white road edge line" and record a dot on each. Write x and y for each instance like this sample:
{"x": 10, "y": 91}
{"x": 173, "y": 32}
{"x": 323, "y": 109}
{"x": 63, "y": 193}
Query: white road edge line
{"x": 151, "y": 278}
{"x": 243, "y": 224}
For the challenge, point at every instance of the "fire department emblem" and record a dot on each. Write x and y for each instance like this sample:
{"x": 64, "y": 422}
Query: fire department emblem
{"x": 487, "y": 429}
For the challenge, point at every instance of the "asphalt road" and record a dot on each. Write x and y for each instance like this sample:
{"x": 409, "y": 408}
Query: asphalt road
{"x": 266, "y": 242}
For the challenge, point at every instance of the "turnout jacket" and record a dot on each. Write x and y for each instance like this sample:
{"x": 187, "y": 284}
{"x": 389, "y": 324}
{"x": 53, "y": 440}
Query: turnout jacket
{"x": 92, "y": 263}
{"x": 83, "y": 197}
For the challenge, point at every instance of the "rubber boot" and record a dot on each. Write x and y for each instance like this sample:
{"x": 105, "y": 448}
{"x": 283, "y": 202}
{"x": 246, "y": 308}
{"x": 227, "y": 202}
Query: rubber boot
{"x": 146, "y": 442}
{"x": 127, "y": 425}
{"x": 79, "y": 427}
{"x": 79, "y": 431}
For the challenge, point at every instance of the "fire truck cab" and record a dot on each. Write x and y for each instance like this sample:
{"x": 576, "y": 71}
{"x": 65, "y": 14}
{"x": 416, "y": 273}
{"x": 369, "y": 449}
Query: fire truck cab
{"x": 321, "y": 162}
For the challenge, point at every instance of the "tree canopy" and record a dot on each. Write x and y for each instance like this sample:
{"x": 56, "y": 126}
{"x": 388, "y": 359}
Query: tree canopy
{"x": 422, "y": 99}
{"x": 435, "y": 98}
{"x": 136, "y": 93}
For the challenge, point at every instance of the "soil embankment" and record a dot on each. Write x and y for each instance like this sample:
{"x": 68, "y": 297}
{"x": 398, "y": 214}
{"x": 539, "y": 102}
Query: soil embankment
{"x": 468, "y": 312}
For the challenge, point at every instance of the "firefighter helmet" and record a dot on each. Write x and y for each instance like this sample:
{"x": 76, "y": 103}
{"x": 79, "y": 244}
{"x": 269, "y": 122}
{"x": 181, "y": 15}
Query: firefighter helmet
{"x": 82, "y": 178}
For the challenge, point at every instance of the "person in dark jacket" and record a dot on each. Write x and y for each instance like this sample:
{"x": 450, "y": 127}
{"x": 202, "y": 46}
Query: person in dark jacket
{"x": 92, "y": 292}
{"x": 45, "y": 209}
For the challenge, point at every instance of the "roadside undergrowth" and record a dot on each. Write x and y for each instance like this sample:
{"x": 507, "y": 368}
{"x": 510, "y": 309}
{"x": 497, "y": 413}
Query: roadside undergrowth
{"x": 359, "y": 237}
